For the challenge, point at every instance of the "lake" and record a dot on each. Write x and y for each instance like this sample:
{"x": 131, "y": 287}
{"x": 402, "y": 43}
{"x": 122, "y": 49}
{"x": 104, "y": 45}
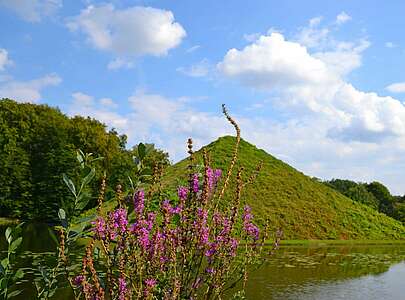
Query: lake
{"x": 295, "y": 272}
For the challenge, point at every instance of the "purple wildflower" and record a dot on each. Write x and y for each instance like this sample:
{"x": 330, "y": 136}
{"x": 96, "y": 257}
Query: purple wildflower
{"x": 182, "y": 193}
{"x": 251, "y": 229}
{"x": 210, "y": 177}
{"x": 217, "y": 174}
{"x": 77, "y": 281}
{"x": 233, "y": 243}
{"x": 201, "y": 227}
{"x": 143, "y": 238}
{"x": 139, "y": 201}
{"x": 196, "y": 186}
{"x": 150, "y": 283}
{"x": 99, "y": 227}
{"x": 211, "y": 250}
{"x": 122, "y": 288}
{"x": 119, "y": 218}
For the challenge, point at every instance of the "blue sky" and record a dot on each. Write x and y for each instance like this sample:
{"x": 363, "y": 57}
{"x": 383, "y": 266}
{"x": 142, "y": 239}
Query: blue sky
{"x": 319, "y": 84}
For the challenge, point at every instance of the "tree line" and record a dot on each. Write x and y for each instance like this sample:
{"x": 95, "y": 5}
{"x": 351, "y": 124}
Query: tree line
{"x": 374, "y": 194}
{"x": 39, "y": 143}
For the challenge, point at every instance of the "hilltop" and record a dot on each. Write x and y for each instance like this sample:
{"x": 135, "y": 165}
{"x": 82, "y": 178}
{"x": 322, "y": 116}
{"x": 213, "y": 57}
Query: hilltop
{"x": 303, "y": 207}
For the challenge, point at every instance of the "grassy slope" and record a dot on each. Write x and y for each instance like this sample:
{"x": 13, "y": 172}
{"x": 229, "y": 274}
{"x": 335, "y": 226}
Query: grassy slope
{"x": 301, "y": 206}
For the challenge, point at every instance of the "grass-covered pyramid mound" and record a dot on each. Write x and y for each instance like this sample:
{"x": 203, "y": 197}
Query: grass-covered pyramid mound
{"x": 301, "y": 206}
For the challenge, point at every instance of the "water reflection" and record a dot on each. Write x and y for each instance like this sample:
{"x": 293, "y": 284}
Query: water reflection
{"x": 302, "y": 273}
{"x": 368, "y": 272}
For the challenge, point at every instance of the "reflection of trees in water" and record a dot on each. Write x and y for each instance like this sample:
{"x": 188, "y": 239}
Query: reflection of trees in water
{"x": 295, "y": 266}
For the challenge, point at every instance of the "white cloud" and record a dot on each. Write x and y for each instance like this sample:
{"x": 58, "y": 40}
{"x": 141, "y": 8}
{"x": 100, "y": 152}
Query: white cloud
{"x": 4, "y": 59}
{"x": 85, "y": 105}
{"x": 345, "y": 57}
{"x": 251, "y": 37}
{"x": 82, "y": 100}
{"x": 192, "y": 49}
{"x": 108, "y": 102}
{"x": 133, "y": 31}
{"x": 342, "y": 18}
{"x": 303, "y": 80}
{"x": 27, "y": 91}
{"x": 272, "y": 62}
{"x": 315, "y": 21}
{"x": 398, "y": 87}
{"x": 32, "y": 10}
{"x": 199, "y": 69}
{"x": 120, "y": 63}
{"x": 154, "y": 118}
{"x": 313, "y": 36}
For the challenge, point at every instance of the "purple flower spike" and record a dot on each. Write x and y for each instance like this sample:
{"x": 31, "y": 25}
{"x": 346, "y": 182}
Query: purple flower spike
{"x": 120, "y": 219}
{"x": 139, "y": 201}
{"x": 77, "y": 281}
{"x": 182, "y": 192}
{"x": 196, "y": 186}
{"x": 99, "y": 227}
{"x": 122, "y": 288}
{"x": 151, "y": 282}
{"x": 251, "y": 229}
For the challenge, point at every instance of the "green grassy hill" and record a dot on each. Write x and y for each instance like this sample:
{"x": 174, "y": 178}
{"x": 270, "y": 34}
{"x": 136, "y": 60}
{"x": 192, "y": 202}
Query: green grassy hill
{"x": 301, "y": 206}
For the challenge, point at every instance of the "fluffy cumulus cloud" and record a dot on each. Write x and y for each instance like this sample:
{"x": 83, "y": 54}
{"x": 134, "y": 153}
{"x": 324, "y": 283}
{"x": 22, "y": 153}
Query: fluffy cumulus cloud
{"x": 133, "y": 31}
{"x": 27, "y": 91}
{"x": 332, "y": 128}
{"x": 4, "y": 59}
{"x": 32, "y": 10}
{"x": 315, "y": 82}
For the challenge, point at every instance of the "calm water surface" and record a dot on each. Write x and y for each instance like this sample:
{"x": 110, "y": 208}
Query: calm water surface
{"x": 301, "y": 273}
{"x": 367, "y": 272}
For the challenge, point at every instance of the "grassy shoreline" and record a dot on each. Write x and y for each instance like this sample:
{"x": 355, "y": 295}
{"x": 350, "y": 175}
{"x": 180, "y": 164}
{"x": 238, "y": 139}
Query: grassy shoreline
{"x": 325, "y": 243}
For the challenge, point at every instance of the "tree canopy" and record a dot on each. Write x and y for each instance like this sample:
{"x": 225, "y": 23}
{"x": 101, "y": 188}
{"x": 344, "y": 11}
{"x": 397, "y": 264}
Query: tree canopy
{"x": 374, "y": 194}
{"x": 39, "y": 143}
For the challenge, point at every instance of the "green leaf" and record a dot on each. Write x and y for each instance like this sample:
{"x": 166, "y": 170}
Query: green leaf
{"x": 62, "y": 214}
{"x": 18, "y": 275}
{"x": 14, "y": 293}
{"x": 15, "y": 244}
{"x": 82, "y": 204}
{"x": 98, "y": 158}
{"x": 89, "y": 177}
{"x": 9, "y": 238}
{"x": 53, "y": 236}
{"x": 146, "y": 171}
{"x": 2, "y": 284}
{"x": 141, "y": 151}
{"x": 79, "y": 157}
{"x": 131, "y": 182}
{"x": 69, "y": 184}
{"x": 4, "y": 263}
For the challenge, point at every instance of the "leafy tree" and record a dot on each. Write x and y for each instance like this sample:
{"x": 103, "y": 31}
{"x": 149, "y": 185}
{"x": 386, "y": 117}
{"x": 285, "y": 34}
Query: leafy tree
{"x": 384, "y": 197}
{"x": 39, "y": 143}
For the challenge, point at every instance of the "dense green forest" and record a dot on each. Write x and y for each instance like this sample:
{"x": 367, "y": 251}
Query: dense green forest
{"x": 373, "y": 194}
{"x": 303, "y": 207}
{"x": 39, "y": 143}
